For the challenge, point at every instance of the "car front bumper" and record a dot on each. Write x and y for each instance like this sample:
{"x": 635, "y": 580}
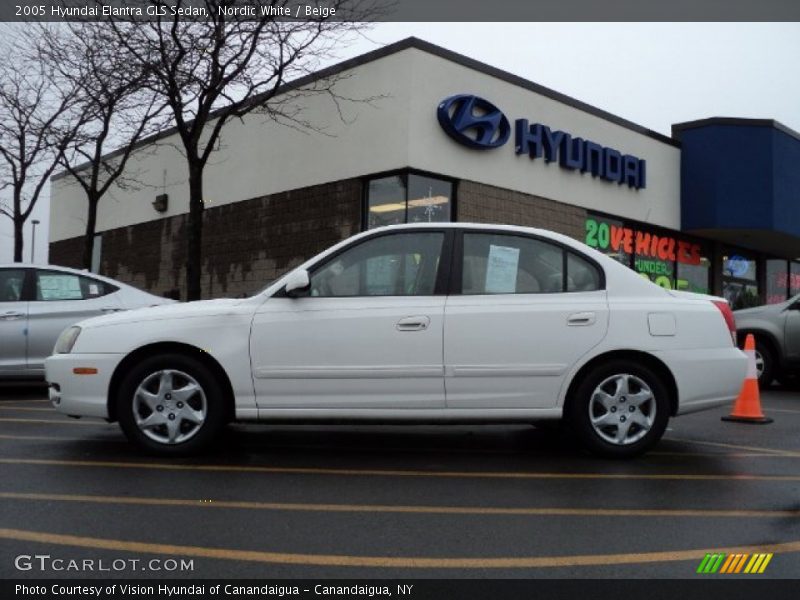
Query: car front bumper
{"x": 81, "y": 395}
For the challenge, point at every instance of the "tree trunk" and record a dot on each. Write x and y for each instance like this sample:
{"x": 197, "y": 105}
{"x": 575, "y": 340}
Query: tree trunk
{"x": 194, "y": 236}
{"x": 19, "y": 225}
{"x": 88, "y": 238}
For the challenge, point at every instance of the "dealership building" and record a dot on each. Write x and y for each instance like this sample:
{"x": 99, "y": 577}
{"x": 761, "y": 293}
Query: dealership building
{"x": 422, "y": 134}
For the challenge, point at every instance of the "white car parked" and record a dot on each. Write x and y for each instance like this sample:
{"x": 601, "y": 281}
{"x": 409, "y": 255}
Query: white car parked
{"x": 38, "y": 302}
{"x": 413, "y": 323}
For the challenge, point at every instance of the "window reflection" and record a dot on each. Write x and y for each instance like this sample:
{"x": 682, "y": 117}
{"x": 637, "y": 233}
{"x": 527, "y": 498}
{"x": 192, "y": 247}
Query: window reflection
{"x": 777, "y": 280}
{"x": 408, "y": 198}
{"x": 386, "y": 201}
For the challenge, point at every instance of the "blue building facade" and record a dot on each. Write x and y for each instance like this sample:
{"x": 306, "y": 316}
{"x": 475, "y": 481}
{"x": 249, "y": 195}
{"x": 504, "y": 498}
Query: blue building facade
{"x": 740, "y": 190}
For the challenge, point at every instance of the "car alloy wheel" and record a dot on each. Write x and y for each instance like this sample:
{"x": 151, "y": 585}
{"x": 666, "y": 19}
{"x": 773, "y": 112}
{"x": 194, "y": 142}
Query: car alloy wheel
{"x": 759, "y": 364}
{"x": 619, "y": 409}
{"x": 622, "y": 409}
{"x": 766, "y": 369}
{"x": 169, "y": 406}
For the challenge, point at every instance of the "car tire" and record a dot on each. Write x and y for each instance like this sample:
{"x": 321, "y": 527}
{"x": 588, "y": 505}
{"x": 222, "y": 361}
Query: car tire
{"x": 765, "y": 355}
{"x": 619, "y": 409}
{"x": 170, "y": 405}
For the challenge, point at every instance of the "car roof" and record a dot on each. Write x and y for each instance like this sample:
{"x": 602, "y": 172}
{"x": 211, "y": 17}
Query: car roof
{"x": 24, "y": 265}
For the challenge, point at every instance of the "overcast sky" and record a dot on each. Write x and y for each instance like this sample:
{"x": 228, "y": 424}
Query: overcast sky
{"x": 653, "y": 74}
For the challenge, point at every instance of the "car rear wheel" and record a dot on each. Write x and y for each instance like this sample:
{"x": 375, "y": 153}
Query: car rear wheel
{"x": 170, "y": 405}
{"x": 619, "y": 410}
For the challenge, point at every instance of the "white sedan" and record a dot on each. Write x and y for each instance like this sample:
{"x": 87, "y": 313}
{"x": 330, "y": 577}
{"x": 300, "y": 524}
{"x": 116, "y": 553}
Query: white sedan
{"x": 37, "y": 302}
{"x": 415, "y": 323}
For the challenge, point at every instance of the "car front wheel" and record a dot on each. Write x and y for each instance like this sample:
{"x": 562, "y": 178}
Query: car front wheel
{"x": 619, "y": 410}
{"x": 170, "y": 405}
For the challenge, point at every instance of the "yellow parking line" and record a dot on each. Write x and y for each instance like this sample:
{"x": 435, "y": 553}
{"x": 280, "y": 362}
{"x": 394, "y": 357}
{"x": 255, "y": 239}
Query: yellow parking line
{"x": 36, "y": 408}
{"x": 4, "y": 436}
{"x": 736, "y": 446}
{"x": 382, "y": 508}
{"x": 409, "y": 450}
{"x": 52, "y": 421}
{"x": 395, "y": 473}
{"x": 401, "y": 562}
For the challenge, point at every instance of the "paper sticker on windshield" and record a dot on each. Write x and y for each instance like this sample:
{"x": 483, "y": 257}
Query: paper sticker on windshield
{"x": 59, "y": 287}
{"x": 501, "y": 270}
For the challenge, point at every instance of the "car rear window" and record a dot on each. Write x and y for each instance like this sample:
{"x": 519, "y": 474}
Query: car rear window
{"x": 57, "y": 285}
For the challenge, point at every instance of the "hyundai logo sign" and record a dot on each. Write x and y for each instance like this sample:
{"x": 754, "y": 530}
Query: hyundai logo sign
{"x": 473, "y": 121}
{"x": 477, "y": 123}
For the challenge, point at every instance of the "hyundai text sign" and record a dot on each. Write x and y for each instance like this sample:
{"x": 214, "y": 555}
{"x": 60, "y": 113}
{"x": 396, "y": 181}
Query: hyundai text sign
{"x": 477, "y": 123}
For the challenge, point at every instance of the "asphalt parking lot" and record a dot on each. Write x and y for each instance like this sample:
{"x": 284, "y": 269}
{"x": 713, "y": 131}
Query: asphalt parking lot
{"x": 404, "y": 501}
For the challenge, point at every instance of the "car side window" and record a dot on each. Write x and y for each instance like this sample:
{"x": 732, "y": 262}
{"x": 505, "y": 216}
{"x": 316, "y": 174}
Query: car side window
{"x": 57, "y": 285}
{"x": 582, "y": 276}
{"x": 514, "y": 264}
{"x": 401, "y": 264}
{"x": 11, "y": 281}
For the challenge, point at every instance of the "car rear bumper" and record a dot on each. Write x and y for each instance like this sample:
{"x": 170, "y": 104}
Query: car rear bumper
{"x": 81, "y": 395}
{"x": 706, "y": 378}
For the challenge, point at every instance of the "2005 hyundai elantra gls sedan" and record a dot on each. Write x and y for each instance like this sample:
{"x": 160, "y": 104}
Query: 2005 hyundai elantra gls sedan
{"x": 434, "y": 323}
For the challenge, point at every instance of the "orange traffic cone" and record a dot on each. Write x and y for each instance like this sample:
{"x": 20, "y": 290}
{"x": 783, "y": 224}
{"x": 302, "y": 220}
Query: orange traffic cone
{"x": 747, "y": 408}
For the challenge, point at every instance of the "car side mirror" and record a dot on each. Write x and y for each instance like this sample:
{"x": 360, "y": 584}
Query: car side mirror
{"x": 297, "y": 282}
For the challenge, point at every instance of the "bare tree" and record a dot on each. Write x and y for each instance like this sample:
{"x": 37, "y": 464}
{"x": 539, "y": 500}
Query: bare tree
{"x": 225, "y": 66}
{"x": 115, "y": 107}
{"x": 37, "y": 122}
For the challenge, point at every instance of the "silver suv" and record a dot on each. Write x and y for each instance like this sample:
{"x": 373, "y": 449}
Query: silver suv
{"x": 776, "y": 328}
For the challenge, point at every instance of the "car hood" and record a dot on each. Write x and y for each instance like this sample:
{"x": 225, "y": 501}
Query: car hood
{"x": 756, "y": 310}
{"x": 200, "y": 308}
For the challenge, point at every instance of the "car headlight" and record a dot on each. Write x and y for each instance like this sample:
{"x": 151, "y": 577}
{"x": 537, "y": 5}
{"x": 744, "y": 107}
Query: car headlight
{"x": 67, "y": 340}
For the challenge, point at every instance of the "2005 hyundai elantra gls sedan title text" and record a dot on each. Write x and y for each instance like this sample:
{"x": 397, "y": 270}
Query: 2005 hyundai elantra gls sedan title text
{"x": 413, "y": 323}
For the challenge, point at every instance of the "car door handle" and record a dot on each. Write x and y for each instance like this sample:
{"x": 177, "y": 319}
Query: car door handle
{"x": 581, "y": 318}
{"x": 11, "y": 315}
{"x": 110, "y": 309}
{"x": 419, "y": 323}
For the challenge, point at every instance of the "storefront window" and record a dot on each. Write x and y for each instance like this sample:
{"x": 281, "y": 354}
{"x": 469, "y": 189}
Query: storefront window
{"x": 777, "y": 280}
{"x": 794, "y": 279}
{"x": 386, "y": 201}
{"x": 667, "y": 260}
{"x": 694, "y": 277}
{"x": 428, "y": 199}
{"x": 739, "y": 283}
{"x": 607, "y": 235}
{"x": 408, "y": 198}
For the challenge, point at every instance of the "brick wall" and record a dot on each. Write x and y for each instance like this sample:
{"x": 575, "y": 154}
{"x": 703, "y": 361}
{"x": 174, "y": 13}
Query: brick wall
{"x": 245, "y": 244}
{"x": 480, "y": 203}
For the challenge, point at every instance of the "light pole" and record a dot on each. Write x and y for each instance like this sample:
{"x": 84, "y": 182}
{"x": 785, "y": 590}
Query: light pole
{"x": 35, "y": 222}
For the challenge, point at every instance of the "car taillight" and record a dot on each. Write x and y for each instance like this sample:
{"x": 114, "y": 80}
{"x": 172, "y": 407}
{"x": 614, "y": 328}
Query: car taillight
{"x": 727, "y": 314}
